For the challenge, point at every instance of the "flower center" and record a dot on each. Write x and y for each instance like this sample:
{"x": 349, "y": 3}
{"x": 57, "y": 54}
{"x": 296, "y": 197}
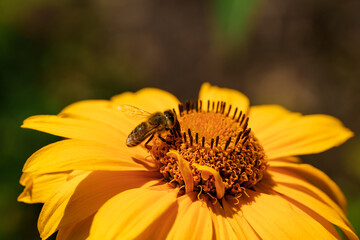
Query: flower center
{"x": 218, "y": 147}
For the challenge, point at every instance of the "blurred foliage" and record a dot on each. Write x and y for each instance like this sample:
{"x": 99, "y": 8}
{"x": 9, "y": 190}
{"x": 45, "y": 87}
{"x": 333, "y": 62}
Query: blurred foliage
{"x": 233, "y": 19}
{"x": 303, "y": 55}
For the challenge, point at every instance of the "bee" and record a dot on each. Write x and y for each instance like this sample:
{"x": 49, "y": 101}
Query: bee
{"x": 155, "y": 123}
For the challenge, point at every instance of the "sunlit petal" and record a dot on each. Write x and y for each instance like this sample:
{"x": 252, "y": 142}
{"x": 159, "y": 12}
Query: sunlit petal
{"x": 193, "y": 220}
{"x": 222, "y": 226}
{"x": 148, "y": 99}
{"x": 272, "y": 217}
{"x": 99, "y": 110}
{"x": 130, "y": 218}
{"x": 53, "y": 209}
{"x": 84, "y": 155}
{"x": 76, "y": 129}
{"x": 230, "y": 96}
{"x": 283, "y": 133}
{"x": 77, "y": 200}
{"x": 42, "y": 187}
{"x": 314, "y": 176}
{"x": 319, "y": 207}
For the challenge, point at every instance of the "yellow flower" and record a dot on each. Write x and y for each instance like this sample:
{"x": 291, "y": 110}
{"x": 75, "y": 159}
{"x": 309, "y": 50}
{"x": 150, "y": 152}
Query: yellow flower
{"x": 224, "y": 171}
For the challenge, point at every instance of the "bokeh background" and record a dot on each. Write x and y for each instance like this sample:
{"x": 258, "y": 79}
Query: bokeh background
{"x": 302, "y": 54}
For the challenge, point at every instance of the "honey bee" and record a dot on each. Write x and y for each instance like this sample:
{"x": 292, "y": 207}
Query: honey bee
{"x": 155, "y": 123}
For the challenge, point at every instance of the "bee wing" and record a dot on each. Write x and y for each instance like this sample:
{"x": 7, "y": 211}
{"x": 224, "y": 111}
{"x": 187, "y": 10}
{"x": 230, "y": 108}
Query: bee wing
{"x": 134, "y": 113}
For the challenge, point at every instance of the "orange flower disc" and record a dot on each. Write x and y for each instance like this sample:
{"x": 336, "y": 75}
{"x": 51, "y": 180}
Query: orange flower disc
{"x": 212, "y": 138}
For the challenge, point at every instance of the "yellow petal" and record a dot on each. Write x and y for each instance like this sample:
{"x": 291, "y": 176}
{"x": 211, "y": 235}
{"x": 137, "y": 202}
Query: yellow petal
{"x": 99, "y": 110}
{"x": 100, "y": 186}
{"x": 263, "y": 118}
{"x": 76, "y": 128}
{"x": 309, "y": 189}
{"x": 317, "y": 206}
{"x": 273, "y": 217}
{"x": 78, "y": 231}
{"x": 54, "y": 208}
{"x": 289, "y": 159}
{"x": 193, "y": 220}
{"x": 148, "y": 99}
{"x": 230, "y": 96}
{"x": 283, "y": 133}
{"x": 75, "y": 201}
{"x": 237, "y": 220}
{"x": 128, "y": 214}
{"x": 83, "y": 155}
{"x": 159, "y": 228}
{"x": 222, "y": 227}
{"x": 314, "y": 176}
{"x": 42, "y": 187}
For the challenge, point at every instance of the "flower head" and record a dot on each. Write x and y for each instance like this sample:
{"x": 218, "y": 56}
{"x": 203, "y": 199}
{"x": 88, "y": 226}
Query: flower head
{"x": 215, "y": 169}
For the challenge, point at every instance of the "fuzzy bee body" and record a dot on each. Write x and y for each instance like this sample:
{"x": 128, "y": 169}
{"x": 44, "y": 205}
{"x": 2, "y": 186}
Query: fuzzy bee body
{"x": 155, "y": 123}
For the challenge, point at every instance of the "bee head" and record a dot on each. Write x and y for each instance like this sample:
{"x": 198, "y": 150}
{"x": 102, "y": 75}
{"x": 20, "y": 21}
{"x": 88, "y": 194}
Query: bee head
{"x": 170, "y": 118}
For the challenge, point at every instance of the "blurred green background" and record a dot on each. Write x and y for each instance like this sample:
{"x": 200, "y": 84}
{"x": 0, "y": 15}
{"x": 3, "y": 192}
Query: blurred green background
{"x": 302, "y": 54}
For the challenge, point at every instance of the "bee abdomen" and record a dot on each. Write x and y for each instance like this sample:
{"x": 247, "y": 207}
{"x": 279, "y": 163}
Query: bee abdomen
{"x": 138, "y": 135}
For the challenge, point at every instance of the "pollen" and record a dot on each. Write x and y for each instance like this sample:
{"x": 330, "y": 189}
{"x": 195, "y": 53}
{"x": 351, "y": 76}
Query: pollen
{"x": 215, "y": 137}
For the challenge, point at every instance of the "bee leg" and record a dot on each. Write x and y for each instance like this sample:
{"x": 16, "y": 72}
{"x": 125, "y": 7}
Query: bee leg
{"x": 150, "y": 138}
{"x": 162, "y": 139}
{"x": 177, "y": 128}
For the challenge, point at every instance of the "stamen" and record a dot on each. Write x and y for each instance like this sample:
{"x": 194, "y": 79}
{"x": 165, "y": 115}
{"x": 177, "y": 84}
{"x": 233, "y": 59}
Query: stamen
{"x": 227, "y": 143}
{"x": 217, "y": 106}
{"x": 238, "y": 137}
{"x": 191, "y": 137}
{"x": 222, "y": 107}
{"x": 196, "y": 138}
{"x": 236, "y": 109}
{"x": 245, "y": 141}
{"x": 181, "y": 109}
{"x": 187, "y": 103}
{"x": 200, "y": 108}
{"x": 228, "y": 111}
{"x": 184, "y": 137}
{"x": 208, "y": 108}
{"x": 219, "y": 184}
{"x": 198, "y": 196}
{"x": 242, "y": 119}
{"x": 247, "y": 131}
{"x": 246, "y": 123}
{"x": 203, "y": 142}
{"x": 189, "y": 132}
{"x": 212, "y": 143}
{"x": 239, "y": 116}
{"x": 191, "y": 105}
{"x": 217, "y": 141}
